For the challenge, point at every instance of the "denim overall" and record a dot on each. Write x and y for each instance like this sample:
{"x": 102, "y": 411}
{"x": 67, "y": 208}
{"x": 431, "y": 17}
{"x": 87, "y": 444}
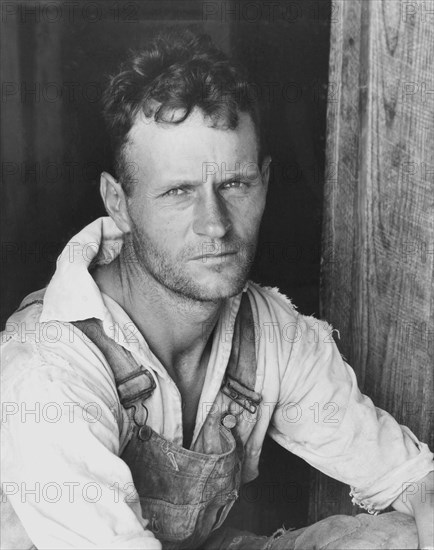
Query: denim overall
{"x": 187, "y": 493}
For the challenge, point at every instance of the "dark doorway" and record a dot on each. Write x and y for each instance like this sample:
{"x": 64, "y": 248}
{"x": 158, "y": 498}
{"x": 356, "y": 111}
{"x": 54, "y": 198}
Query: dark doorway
{"x": 55, "y": 56}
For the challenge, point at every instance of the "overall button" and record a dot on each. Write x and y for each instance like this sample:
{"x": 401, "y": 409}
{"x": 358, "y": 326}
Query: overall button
{"x": 144, "y": 433}
{"x": 229, "y": 421}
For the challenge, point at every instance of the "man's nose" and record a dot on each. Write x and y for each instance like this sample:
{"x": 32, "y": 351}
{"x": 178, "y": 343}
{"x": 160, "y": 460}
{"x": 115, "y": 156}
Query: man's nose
{"x": 211, "y": 217}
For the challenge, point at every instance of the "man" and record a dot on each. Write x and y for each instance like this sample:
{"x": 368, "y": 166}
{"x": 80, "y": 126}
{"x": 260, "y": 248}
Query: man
{"x": 139, "y": 385}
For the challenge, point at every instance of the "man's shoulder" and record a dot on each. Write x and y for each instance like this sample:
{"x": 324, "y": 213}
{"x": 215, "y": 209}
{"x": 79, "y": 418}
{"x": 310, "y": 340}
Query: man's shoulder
{"x": 55, "y": 353}
{"x": 272, "y": 306}
{"x": 22, "y": 333}
{"x": 23, "y": 322}
{"x": 27, "y": 342}
{"x": 19, "y": 354}
{"x": 270, "y": 302}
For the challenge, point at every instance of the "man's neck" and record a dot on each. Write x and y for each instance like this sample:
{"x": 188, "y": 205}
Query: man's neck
{"x": 176, "y": 329}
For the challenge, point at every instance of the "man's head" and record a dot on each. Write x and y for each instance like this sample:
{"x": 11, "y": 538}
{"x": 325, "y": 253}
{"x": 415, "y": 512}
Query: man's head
{"x": 191, "y": 181}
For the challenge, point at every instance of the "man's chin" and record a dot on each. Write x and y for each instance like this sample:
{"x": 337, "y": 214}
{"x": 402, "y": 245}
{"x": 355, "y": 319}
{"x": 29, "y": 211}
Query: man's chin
{"x": 219, "y": 294}
{"x": 212, "y": 288}
{"x": 203, "y": 285}
{"x": 220, "y": 288}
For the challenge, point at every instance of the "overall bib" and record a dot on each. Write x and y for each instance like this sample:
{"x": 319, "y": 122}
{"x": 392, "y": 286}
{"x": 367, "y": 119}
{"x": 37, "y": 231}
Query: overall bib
{"x": 187, "y": 493}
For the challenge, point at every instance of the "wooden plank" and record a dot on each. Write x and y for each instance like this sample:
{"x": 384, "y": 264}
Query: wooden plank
{"x": 378, "y": 238}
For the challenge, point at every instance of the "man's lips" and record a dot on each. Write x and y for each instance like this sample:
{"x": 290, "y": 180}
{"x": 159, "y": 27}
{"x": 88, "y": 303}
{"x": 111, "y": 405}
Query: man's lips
{"x": 215, "y": 256}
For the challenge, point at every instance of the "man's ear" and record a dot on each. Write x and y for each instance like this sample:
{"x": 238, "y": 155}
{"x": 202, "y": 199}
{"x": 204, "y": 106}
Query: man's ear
{"x": 115, "y": 201}
{"x": 265, "y": 170}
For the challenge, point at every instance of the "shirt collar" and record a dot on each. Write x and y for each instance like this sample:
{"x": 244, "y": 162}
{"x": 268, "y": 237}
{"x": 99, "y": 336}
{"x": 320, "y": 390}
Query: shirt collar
{"x": 72, "y": 294}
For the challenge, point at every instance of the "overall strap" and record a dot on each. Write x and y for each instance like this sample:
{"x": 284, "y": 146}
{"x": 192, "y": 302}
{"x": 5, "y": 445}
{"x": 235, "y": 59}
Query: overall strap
{"x": 240, "y": 378}
{"x": 134, "y": 383}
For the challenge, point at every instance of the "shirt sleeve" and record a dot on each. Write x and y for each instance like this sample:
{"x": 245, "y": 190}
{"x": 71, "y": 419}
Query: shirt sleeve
{"x": 324, "y": 418}
{"x": 61, "y": 471}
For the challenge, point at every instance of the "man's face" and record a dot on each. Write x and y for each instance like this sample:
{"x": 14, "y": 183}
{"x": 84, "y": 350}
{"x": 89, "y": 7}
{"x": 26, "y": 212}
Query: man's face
{"x": 196, "y": 204}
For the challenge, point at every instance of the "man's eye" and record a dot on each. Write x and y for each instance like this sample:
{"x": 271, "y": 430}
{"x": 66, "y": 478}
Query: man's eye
{"x": 234, "y": 185}
{"x": 176, "y": 191}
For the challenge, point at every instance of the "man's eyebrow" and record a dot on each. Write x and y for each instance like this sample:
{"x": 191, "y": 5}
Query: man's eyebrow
{"x": 243, "y": 176}
{"x": 180, "y": 183}
{"x": 234, "y": 176}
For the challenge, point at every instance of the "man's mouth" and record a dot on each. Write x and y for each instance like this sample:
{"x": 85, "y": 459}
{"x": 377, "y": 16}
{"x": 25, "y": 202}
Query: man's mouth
{"x": 220, "y": 256}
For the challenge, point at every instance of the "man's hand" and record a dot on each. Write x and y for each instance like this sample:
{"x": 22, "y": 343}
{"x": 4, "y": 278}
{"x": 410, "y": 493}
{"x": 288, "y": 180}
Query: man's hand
{"x": 417, "y": 499}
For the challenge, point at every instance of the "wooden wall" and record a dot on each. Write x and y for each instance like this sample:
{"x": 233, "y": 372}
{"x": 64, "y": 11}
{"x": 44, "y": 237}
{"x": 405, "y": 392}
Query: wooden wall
{"x": 378, "y": 234}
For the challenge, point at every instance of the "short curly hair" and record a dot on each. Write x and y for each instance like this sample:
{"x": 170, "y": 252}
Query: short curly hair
{"x": 177, "y": 72}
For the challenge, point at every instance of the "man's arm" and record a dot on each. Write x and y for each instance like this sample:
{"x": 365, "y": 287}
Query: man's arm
{"x": 417, "y": 499}
{"x": 337, "y": 429}
{"x": 61, "y": 468}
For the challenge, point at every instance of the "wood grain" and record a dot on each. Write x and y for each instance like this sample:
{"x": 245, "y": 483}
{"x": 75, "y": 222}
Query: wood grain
{"x": 378, "y": 233}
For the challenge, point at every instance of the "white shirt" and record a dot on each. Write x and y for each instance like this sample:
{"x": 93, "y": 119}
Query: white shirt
{"x": 63, "y": 428}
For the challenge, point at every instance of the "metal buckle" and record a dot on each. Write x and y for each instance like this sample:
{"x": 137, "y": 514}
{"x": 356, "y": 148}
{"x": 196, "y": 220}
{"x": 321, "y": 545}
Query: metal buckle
{"x": 150, "y": 386}
{"x": 246, "y": 402}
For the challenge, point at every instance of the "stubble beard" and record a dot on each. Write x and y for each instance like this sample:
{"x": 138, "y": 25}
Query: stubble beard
{"x": 172, "y": 274}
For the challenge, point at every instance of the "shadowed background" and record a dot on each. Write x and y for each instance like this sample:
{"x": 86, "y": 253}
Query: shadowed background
{"x": 55, "y": 56}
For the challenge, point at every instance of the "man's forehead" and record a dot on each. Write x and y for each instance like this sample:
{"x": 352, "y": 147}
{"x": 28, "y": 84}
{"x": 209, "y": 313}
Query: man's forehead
{"x": 185, "y": 147}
